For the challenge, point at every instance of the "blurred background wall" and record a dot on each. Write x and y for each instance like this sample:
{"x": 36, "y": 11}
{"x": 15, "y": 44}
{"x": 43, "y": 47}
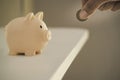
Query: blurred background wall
{"x": 100, "y": 57}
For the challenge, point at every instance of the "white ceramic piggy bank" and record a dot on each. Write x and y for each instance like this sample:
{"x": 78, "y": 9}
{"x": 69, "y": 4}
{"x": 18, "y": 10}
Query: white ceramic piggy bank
{"x": 28, "y": 35}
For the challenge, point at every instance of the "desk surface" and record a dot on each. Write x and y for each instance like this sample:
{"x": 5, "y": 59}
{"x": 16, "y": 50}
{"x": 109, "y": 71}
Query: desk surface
{"x": 51, "y": 64}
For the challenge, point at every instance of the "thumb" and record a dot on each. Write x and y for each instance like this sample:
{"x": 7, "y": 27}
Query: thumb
{"x": 90, "y": 7}
{"x": 116, "y": 6}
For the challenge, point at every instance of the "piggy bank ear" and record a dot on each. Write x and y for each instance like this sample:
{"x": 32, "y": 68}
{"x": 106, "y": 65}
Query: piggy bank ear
{"x": 39, "y": 15}
{"x": 29, "y": 16}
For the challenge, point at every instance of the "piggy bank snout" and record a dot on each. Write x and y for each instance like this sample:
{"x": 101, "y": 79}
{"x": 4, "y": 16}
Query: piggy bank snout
{"x": 47, "y": 35}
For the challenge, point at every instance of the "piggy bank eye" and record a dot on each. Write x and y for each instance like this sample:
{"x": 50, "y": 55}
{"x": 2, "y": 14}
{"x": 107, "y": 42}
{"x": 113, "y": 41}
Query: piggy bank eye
{"x": 40, "y": 26}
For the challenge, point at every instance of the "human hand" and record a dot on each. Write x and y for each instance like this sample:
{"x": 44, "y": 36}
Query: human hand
{"x": 89, "y": 7}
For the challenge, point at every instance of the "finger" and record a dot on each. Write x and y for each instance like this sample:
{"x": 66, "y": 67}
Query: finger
{"x": 107, "y": 6}
{"x": 116, "y": 6}
{"x": 78, "y": 16}
{"x": 90, "y": 7}
{"x": 78, "y": 12}
{"x": 83, "y": 2}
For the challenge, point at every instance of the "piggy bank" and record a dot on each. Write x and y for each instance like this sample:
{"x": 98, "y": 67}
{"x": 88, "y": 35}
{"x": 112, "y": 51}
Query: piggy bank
{"x": 28, "y": 35}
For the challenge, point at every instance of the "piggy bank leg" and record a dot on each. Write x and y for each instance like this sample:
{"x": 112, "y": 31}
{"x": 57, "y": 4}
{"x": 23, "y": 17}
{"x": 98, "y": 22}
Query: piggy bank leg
{"x": 30, "y": 53}
{"x": 38, "y": 51}
{"x": 13, "y": 53}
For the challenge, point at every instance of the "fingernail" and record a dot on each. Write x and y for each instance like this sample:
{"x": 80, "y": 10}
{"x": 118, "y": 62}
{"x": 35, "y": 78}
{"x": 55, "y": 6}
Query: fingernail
{"x": 83, "y": 14}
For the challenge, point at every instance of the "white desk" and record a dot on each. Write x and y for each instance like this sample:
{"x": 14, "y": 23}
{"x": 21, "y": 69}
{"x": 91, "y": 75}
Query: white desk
{"x": 51, "y": 64}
